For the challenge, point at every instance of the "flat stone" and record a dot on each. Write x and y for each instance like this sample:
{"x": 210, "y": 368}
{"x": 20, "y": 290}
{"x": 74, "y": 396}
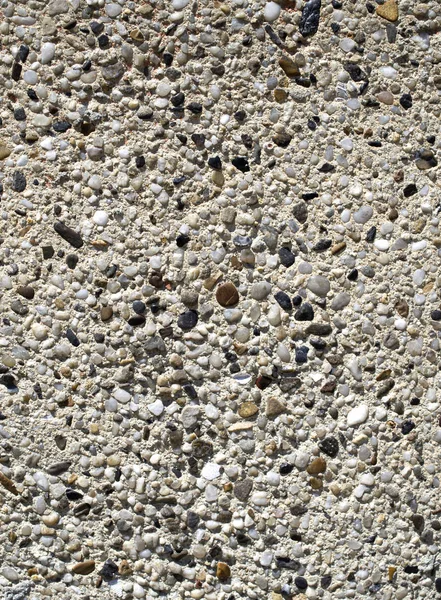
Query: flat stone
{"x": 388, "y": 10}
{"x": 259, "y": 291}
{"x": 106, "y": 313}
{"x": 70, "y": 235}
{"x": 57, "y": 7}
{"x": 242, "y": 489}
{"x": 289, "y": 67}
{"x": 227, "y": 294}
{"x": 274, "y": 407}
{"x": 5, "y": 150}
{"x": 319, "y": 285}
{"x": 248, "y": 409}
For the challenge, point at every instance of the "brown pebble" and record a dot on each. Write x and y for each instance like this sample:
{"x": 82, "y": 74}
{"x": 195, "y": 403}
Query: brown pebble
{"x": 402, "y": 308}
{"x": 106, "y": 313}
{"x": 247, "y": 409}
{"x": 388, "y": 10}
{"x": 280, "y": 95}
{"x": 227, "y": 294}
{"x": 84, "y": 568}
{"x": 338, "y": 247}
{"x": 125, "y": 568}
{"x": 289, "y": 67}
{"x": 8, "y": 484}
{"x": 316, "y": 483}
{"x": 318, "y": 465}
{"x": 223, "y": 571}
{"x": 26, "y": 291}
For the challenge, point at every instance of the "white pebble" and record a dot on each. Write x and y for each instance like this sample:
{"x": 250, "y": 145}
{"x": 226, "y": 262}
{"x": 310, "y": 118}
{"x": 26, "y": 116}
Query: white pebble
{"x": 271, "y": 11}
{"x": 100, "y": 218}
{"x": 358, "y": 415}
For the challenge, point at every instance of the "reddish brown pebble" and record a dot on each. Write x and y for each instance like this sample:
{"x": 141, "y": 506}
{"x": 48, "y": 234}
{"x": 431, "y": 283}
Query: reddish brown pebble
{"x": 8, "y": 484}
{"x": 227, "y": 294}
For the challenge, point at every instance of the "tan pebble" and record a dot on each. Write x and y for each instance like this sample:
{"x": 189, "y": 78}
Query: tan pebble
{"x": 51, "y": 519}
{"x": 84, "y": 568}
{"x": 318, "y": 465}
{"x": 391, "y": 572}
{"x": 227, "y": 294}
{"x": 223, "y": 571}
{"x": 338, "y": 247}
{"x": 5, "y": 150}
{"x": 316, "y": 483}
{"x": 125, "y": 568}
{"x": 248, "y": 409}
{"x": 274, "y": 407}
{"x": 388, "y": 10}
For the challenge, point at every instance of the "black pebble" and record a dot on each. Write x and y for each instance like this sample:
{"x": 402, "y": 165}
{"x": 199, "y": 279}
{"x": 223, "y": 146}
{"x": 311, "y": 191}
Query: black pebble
{"x": 195, "y": 108}
{"x": 73, "y": 494}
{"x": 355, "y": 73}
{"x": 109, "y": 570}
{"x": 438, "y": 584}
{"x": 436, "y": 315}
{"x": 138, "y": 306}
{"x": 48, "y": 252}
{"x": 61, "y": 126}
{"x": 407, "y": 427}
{"x": 215, "y": 163}
{"x": 410, "y": 190}
{"x": 240, "y": 115}
{"x": 71, "y": 261}
{"x": 325, "y": 581}
{"x": 140, "y": 162}
{"x": 241, "y": 163}
{"x": 353, "y": 275}
{"x": 167, "y": 58}
{"x": 16, "y": 71}
{"x": 96, "y": 27}
{"x": 285, "y": 468}
{"x": 19, "y": 114}
{"x": 304, "y": 313}
{"x": 99, "y": 337}
{"x": 309, "y": 22}
{"x": 136, "y": 321}
{"x": 178, "y": 99}
{"x": 190, "y": 391}
{"x": 301, "y": 355}
{"x": 287, "y": 258}
{"x": 18, "y": 182}
{"x": 23, "y": 53}
{"x": 283, "y": 300}
{"x": 297, "y": 300}
{"x": 322, "y": 245}
{"x": 71, "y": 236}
{"x": 72, "y": 338}
{"x": 326, "y": 168}
{"x": 188, "y": 319}
{"x": 182, "y": 240}
{"x": 32, "y": 95}
{"x": 301, "y": 583}
{"x": 103, "y": 41}
{"x": 335, "y": 27}
{"x": 329, "y": 446}
{"x": 370, "y": 236}
{"x": 406, "y": 101}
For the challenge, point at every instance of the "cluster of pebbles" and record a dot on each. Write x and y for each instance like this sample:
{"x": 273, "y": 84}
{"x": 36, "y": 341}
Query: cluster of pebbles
{"x": 220, "y": 299}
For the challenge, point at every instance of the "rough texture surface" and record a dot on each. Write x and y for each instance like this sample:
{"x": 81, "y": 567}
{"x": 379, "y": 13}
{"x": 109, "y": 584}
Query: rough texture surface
{"x": 220, "y": 299}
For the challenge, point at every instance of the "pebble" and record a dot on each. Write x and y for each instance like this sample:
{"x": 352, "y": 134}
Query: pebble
{"x": 220, "y": 299}
{"x": 271, "y": 11}
{"x": 358, "y": 415}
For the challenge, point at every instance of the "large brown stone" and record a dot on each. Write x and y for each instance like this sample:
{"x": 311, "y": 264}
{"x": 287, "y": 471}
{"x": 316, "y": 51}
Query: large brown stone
{"x": 227, "y": 294}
